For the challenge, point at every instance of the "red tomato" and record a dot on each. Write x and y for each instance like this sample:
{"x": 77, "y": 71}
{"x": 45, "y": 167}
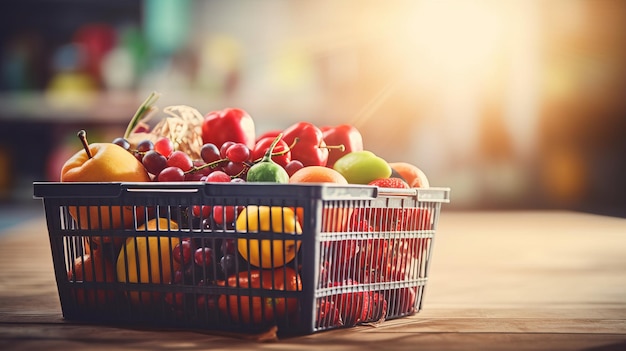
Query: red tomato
{"x": 261, "y": 309}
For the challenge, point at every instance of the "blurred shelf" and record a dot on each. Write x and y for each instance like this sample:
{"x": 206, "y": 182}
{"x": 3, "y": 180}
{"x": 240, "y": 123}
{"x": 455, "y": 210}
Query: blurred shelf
{"x": 110, "y": 107}
{"x": 117, "y": 107}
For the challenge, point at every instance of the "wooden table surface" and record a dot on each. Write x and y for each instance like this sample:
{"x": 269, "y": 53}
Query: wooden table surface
{"x": 511, "y": 280}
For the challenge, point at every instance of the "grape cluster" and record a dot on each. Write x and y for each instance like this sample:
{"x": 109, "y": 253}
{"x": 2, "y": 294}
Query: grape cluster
{"x": 201, "y": 262}
{"x": 227, "y": 163}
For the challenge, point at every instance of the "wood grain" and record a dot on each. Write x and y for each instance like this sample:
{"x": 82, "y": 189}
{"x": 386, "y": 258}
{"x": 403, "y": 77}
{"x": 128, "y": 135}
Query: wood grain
{"x": 498, "y": 281}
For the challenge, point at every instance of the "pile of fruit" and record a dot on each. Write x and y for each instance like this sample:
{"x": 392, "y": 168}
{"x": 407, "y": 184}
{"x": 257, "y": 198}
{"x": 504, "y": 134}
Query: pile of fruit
{"x": 222, "y": 146}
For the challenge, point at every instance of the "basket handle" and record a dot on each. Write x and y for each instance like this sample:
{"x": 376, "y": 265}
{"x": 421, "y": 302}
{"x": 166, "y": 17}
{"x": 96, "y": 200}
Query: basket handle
{"x": 434, "y": 194}
{"x": 163, "y": 187}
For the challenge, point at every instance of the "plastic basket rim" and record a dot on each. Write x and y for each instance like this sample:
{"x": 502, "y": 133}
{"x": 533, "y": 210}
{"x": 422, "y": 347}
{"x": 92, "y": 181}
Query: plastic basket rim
{"x": 49, "y": 189}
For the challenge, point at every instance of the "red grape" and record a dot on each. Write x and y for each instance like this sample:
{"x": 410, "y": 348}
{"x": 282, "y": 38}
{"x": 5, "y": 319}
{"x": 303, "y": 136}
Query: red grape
{"x": 203, "y": 256}
{"x": 171, "y": 174}
{"x": 228, "y": 264}
{"x": 217, "y": 177}
{"x": 122, "y": 142}
{"x": 228, "y": 246}
{"x": 145, "y": 146}
{"x": 179, "y": 277}
{"x": 201, "y": 211}
{"x": 182, "y": 252}
{"x": 293, "y": 166}
{"x": 181, "y": 160}
{"x": 238, "y": 153}
{"x": 224, "y": 214}
{"x": 210, "y": 153}
{"x": 233, "y": 168}
{"x": 154, "y": 162}
{"x": 164, "y": 146}
{"x": 225, "y": 147}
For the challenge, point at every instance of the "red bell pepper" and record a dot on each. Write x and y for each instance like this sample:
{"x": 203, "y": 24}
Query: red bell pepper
{"x": 310, "y": 148}
{"x": 230, "y": 124}
{"x": 344, "y": 134}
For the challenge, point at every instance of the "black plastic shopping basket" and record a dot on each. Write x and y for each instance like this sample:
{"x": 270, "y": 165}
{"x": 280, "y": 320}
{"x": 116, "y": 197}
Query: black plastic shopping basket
{"x": 239, "y": 257}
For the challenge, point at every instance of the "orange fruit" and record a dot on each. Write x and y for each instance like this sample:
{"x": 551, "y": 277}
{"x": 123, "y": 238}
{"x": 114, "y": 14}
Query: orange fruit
{"x": 333, "y": 219}
{"x": 92, "y": 267}
{"x": 317, "y": 174}
{"x": 414, "y": 176}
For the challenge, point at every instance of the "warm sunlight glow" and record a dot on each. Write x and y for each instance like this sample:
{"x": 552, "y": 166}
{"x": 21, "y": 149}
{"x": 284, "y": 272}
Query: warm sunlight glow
{"x": 459, "y": 37}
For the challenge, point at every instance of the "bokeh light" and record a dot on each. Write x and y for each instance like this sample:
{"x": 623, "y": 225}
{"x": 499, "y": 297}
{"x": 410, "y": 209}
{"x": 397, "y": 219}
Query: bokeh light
{"x": 512, "y": 104}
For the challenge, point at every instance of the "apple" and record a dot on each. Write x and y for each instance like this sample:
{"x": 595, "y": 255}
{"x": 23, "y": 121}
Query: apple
{"x": 104, "y": 162}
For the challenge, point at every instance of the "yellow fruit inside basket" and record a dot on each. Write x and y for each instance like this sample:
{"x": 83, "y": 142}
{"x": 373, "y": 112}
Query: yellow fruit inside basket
{"x": 147, "y": 259}
{"x": 268, "y": 253}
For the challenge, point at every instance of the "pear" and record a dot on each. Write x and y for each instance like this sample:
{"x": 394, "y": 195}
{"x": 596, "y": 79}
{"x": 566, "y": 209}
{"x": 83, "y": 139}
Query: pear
{"x": 104, "y": 162}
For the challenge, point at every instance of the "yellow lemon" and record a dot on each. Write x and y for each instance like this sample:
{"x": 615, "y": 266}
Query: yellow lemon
{"x": 267, "y": 253}
{"x": 133, "y": 265}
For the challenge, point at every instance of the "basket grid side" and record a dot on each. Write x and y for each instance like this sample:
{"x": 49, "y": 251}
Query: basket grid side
{"x": 357, "y": 259}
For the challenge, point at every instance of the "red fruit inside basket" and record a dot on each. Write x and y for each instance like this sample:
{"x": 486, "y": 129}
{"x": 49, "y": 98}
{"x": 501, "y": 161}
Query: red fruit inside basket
{"x": 328, "y": 315}
{"x": 353, "y": 306}
{"x": 90, "y": 268}
{"x": 402, "y": 301}
{"x": 378, "y": 308}
{"x": 390, "y": 183}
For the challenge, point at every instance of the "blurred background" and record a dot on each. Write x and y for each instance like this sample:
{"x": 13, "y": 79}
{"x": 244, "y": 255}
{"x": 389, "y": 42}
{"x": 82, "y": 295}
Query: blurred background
{"x": 513, "y": 104}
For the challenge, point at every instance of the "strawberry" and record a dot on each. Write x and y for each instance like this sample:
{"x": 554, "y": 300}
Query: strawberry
{"x": 328, "y": 315}
{"x": 378, "y": 309}
{"x": 415, "y": 219}
{"x": 391, "y": 182}
{"x": 359, "y": 224}
{"x": 402, "y": 301}
{"x": 353, "y": 306}
{"x": 373, "y": 253}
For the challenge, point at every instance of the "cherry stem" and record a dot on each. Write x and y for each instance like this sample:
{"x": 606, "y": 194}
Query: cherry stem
{"x": 248, "y": 164}
{"x": 82, "y": 135}
{"x": 211, "y": 164}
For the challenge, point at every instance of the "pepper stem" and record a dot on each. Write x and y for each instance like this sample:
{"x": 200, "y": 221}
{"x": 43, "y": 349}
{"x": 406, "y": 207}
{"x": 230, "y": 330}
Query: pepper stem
{"x": 341, "y": 147}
